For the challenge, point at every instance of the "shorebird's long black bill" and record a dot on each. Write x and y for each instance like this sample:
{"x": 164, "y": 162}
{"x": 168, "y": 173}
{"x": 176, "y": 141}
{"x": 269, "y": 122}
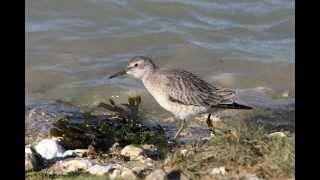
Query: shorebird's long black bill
{"x": 120, "y": 73}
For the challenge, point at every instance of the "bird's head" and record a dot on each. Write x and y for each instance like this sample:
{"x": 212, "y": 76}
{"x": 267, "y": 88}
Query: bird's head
{"x": 138, "y": 67}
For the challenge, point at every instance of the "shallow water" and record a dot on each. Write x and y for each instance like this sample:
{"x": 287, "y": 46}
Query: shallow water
{"x": 72, "y": 46}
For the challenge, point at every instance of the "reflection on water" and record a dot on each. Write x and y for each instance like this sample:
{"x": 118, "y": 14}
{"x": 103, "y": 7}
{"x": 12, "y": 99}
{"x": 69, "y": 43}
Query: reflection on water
{"x": 72, "y": 46}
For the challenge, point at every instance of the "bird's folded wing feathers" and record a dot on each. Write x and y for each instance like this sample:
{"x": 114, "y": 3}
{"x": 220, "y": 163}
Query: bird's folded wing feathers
{"x": 186, "y": 88}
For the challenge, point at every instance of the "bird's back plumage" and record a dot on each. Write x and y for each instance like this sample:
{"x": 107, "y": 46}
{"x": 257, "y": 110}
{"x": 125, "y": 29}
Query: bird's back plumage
{"x": 188, "y": 89}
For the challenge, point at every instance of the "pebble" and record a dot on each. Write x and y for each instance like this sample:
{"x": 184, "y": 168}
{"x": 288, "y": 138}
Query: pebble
{"x": 115, "y": 174}
{"x": 132, "y": 151}
{"x": 128, "y": 174}
{"x": 100, "y": 170}
{"x": 67, "y": 166}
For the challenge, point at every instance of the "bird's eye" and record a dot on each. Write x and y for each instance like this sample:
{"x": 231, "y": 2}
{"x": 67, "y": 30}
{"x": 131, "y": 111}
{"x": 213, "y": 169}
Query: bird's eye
{"x": 135, "y": 65}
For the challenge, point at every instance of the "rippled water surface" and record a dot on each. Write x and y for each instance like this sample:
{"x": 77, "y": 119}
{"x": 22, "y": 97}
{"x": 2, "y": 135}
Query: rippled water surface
{"x": 72, "y": 46}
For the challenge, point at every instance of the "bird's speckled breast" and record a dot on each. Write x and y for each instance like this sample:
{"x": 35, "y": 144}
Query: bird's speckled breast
{"x": 156, "y": 87}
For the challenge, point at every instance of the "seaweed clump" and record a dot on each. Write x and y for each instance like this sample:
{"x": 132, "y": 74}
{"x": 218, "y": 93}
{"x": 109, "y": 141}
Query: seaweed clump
{"x": 120, "y": 124}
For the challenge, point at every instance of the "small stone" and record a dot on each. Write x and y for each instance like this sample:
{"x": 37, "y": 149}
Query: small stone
{"x": 115, "y": 174}
{"x": 218, "y": 171}
{"x": 67, "y": 166}
{"x": 157, "y": 174}
{"x": 49, "y": 148}
{"x": 140, "y": 158}
{"x": 132, "y": 151}
{"x": 277, "y": 134}
{"x": 145, "y": 160}
{"x": 128, "y": 174}
{"x": 100, "y": 170}
{"x": 138, "y": 169}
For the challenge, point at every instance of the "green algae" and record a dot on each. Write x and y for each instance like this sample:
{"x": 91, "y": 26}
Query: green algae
{"x": 122, "y": 124}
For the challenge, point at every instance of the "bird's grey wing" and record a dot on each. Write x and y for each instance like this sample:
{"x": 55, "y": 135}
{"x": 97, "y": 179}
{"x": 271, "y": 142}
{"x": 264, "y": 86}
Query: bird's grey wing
{"x": 186, "y": 88}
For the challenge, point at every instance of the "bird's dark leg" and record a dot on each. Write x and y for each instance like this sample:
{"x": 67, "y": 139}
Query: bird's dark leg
{"x": 183, "y": 125}
{"x": 209, "y": 123}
